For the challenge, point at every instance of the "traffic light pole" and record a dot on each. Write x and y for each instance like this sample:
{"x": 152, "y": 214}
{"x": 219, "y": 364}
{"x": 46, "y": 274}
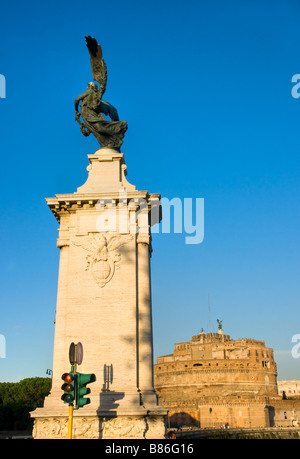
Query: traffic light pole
{"x": 71, "y": 407}
{"x": 70, "y": 422}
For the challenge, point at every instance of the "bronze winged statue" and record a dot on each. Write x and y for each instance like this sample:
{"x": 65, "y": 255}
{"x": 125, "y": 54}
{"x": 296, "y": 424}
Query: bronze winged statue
{"x": 92, "y": 108}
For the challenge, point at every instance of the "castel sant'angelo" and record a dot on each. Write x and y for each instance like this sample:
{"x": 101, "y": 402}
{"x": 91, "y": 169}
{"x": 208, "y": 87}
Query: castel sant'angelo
{"x": 215, "y": 381}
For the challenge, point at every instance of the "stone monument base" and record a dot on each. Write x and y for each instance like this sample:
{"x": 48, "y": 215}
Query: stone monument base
{"x": 104, "y": 302}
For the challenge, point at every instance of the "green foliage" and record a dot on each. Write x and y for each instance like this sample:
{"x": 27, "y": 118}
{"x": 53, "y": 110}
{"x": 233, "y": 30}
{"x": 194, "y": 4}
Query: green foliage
{"x": 18, "y": 399}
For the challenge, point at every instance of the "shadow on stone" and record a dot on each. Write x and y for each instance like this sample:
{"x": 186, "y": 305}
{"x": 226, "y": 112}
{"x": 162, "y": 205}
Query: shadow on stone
{"x": 108, "y": 407}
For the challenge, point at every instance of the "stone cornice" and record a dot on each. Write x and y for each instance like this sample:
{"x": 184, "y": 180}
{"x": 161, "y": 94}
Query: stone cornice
{"x": 62, "y": 203}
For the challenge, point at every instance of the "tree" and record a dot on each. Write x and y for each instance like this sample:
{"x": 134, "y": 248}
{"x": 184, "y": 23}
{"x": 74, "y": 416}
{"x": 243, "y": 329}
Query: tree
{"x": 18, "y": 399}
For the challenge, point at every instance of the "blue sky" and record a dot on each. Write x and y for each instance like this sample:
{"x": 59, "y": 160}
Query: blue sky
{"x": 205, "y": 87}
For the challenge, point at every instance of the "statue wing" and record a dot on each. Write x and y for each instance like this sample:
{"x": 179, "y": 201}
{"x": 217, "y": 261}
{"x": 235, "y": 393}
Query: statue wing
{"x": 109, "y": 110}
{"x": 99, "y": 70}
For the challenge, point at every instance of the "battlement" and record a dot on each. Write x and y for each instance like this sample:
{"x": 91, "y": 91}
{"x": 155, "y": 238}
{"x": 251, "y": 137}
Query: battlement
{"x": 206, "y": 347}
{"x": 210, "y": 337}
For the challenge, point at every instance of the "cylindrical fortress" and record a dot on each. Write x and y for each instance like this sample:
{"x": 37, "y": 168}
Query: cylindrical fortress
{"x": 211, "y": 369}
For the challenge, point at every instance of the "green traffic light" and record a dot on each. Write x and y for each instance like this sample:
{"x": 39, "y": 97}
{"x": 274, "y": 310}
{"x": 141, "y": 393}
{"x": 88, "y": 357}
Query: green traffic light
{"x": 81, "y": 390}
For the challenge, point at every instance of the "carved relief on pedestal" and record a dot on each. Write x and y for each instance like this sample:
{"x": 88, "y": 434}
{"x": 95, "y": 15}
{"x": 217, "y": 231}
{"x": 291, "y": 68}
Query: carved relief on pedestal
{"x": 123, "y": 427}
{"x": 50, "y": 427}
{"x": 102, "y": 258}
{"x": 86, "y": 428}
{"x": 92, "y": 427}
{"x": 57, "y": 428}
{"x": 133, "y": 427}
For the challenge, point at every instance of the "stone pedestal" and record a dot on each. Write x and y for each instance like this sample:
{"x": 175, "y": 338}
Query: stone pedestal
{"x": 104, "y": 302}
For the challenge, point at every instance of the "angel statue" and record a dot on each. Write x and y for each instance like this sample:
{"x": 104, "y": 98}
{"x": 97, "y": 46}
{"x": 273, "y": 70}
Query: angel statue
{"x": 108, "y": 133}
